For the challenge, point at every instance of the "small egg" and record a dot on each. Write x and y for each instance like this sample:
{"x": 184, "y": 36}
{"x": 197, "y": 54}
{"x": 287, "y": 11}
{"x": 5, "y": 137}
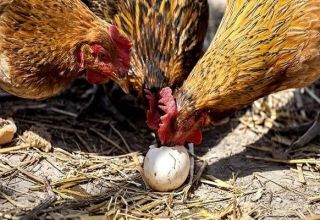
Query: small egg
{"x": 166, "y": 168}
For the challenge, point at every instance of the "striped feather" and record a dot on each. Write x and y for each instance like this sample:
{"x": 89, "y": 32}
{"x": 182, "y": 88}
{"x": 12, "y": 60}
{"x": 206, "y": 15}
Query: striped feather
{"x": 262, "y": 46}
{"x": 167, "y": 38}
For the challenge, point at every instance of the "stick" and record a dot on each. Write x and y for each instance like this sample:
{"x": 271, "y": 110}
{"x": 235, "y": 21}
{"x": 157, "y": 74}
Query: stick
{"x": 312, "y": 132}
{"x": 46, "y": 203}
{"x": 108, "y": 140}
{"x": 296, "y": 161}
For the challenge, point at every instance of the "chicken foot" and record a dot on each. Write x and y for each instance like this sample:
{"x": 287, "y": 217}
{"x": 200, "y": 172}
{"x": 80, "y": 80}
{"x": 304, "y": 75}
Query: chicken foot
{"x": 100, "y": 101}
{"x": 308, "y": 136}
{"x": 191, "y": 174}
{"x": 193, "y": 179}
{"x": 187, "y": 188}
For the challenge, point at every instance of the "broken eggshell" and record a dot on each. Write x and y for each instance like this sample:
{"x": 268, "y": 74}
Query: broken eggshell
{"x": 166, "y": 168}
{"x": 7, "y": 130}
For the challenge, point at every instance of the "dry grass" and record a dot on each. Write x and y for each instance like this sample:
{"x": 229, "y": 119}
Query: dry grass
{"x": 91, "y": 169}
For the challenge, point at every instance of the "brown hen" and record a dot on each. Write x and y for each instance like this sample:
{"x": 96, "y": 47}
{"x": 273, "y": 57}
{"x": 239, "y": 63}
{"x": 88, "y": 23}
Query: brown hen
{"x": 167, "y": 38}
{"x": 262, "y": 46}
{"x": 46, "y": 44}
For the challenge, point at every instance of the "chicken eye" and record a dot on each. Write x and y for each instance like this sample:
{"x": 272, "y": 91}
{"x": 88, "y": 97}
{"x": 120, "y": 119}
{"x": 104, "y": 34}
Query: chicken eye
{"x": 102, "y": 56}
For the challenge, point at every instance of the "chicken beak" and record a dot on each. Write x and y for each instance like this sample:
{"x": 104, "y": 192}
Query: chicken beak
{"x": 124, "y": 85}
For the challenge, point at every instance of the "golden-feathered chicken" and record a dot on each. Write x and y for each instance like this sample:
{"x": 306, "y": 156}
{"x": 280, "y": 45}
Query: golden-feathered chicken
{"x": 167, "y": 38}
{"x": 46, "y": 44}
{"x": 262, "y": 46}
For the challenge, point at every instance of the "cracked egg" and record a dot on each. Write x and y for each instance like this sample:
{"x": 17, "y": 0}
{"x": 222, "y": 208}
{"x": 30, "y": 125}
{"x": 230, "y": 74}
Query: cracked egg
{"x": 166, "y": 168}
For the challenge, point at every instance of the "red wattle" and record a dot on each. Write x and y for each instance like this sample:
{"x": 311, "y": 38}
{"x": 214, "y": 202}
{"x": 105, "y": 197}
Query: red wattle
{"x": 195, "y": 137}
{"x": 96, "y": 78}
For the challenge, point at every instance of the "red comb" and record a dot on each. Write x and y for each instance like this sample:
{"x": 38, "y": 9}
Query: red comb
{"x": 195, "y": 137}
{"x": 168, "y": 105}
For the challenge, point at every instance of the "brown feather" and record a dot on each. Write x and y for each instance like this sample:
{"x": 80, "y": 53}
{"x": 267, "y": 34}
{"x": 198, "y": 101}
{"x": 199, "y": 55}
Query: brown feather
{"x": 261, "y": 47}
{"x": 167, "y": 38}
{"x": 38, "y": 40}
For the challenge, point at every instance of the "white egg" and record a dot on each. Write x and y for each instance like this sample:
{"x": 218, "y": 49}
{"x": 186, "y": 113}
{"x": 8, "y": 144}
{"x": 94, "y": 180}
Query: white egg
{"x": 166, "y": 168}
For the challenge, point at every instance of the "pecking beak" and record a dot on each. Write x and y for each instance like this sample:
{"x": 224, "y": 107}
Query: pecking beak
{"x": 123, "y": 83}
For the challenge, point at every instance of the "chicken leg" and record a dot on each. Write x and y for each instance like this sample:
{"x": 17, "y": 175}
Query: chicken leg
{"x": 193, "y": 179}
{"x": 309, "y": 135}
{"x": 100, "y": 101}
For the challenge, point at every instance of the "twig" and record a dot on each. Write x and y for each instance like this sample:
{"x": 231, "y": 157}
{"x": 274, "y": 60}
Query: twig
{"x": 263, "y": 148}
{"x": 60, "y": 111}
{"x": 72, "y": 130}
{"x": 108, "y": 140}
{"x": 82, "y": 202}
{"x": 211, "y": 180}
{"x": 26, "y": 173}
{"x": 311, "y": 133}
{"x": 25, "y": 107}
{"x": 83, "y": 142}
{"x": 200, "y": 172}
{"x": 122, "y": 138}
{"x": 97, "y": 166}
{"x": 226, "y": 211}
{"x": 140, "y": 169}
{"x": 300, "y": 128}
{"x": 314, "y": 217}
{"x": 8, "y": 198}
{"x": 15, "y": 148}
{"x": 30, "y": 175}
{"x": 47, "y": 202}
{"x": 73, "y": 192}
{"x": 65, "y": 153}
{"x": 313, "y": 95}
{"x": 300, "y": 173}
{"x": 295, "y": 161}
{"x": 283, "y": 187}
{"x": 151, "y": 205}
{"x": 6, "y": 190}
{"x": 201, "y": 203}
{"x": 282, "y": 140}
{"x": 314, "y": 199}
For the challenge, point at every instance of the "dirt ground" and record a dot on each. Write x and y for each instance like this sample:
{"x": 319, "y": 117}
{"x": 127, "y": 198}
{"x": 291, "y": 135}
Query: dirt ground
{"x": 91, "y": 171}
{"x": 89, "y": 168}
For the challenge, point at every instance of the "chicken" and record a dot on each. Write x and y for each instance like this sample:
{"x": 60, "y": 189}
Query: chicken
{"x": 261, "y": 47}
{"x": 167, "y": 38}
{"x": 46, "y": 44}
{"x": 99, "y": 98}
